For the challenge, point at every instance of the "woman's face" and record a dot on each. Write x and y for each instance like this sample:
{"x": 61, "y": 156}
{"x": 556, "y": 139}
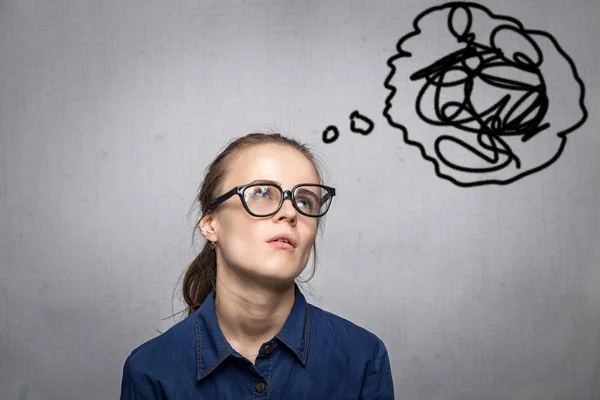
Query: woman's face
{"x": 243, "y": 239}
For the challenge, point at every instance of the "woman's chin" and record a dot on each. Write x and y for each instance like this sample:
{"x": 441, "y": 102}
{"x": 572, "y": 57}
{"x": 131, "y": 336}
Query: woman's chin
{"x": 276, "y": 273}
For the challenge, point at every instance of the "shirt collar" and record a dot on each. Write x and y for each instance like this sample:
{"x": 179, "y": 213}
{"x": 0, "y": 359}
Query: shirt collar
{"x": 212, "y": 347}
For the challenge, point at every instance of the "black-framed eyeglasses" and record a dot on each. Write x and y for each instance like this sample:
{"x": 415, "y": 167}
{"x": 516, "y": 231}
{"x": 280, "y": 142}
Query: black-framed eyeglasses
{"x": 263, "y": 199}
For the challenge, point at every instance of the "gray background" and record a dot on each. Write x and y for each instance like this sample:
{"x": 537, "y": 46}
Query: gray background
{"x": 110, "y": 112}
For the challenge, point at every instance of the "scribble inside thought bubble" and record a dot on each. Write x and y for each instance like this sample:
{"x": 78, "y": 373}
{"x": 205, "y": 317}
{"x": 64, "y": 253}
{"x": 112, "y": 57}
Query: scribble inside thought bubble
{"x": 486, "y": 100}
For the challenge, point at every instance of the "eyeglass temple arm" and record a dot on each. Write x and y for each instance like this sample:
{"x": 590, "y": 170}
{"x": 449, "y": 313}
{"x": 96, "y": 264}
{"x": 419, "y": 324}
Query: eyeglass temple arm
{"x": 326, "y": 197}
{"x": 214, "y": 202}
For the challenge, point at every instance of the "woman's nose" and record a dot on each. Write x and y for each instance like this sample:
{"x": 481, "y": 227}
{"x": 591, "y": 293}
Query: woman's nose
{"x": 287, "y": 208}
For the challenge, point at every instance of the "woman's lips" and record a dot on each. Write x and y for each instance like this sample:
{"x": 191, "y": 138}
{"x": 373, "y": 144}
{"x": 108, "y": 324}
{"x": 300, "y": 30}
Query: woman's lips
{"x": 281, "y": 245}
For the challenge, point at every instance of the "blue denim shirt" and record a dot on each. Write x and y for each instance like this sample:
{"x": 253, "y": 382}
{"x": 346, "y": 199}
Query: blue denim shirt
{"x": 315, "y": 355}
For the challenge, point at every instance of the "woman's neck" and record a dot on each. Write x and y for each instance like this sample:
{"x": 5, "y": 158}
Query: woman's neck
{"x": 249, "y": 314}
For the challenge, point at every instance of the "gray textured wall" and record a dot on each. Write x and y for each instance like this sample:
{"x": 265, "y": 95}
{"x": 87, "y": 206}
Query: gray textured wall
{"x": 109, "y": 113}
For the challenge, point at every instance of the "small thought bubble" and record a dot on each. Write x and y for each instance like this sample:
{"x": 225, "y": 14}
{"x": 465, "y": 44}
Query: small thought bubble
{"x": 360, "y": 123}
{"x": 333, "y": 131}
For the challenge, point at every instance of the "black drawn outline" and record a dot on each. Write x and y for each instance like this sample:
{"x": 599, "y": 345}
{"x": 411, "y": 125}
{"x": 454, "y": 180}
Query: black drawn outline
{"x": 356, "y": 115}
{"x": 336, "y": 134}
{"x": 496, "y": 144}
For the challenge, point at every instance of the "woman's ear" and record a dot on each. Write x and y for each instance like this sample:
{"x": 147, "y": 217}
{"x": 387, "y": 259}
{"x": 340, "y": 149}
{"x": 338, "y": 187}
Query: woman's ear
{"x": 207, "y": 228}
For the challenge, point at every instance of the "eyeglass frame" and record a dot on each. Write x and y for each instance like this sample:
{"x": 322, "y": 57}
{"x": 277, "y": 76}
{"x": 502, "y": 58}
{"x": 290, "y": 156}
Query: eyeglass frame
{"x": 239, "y": 190}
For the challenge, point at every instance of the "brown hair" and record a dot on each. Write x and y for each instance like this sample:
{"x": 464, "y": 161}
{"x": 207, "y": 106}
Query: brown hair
{"x": 200, "y": 276}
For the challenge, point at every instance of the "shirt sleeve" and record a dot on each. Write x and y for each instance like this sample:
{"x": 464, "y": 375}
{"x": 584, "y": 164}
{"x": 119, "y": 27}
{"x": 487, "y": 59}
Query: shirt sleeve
{"x": 136, "y": 385}
{"x": 378, "y": 383}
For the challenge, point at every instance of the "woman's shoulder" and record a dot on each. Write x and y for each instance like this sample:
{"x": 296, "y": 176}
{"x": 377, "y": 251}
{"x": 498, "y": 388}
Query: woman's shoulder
{"x": 344, "y": 330}
{"x": 170, "y": 345}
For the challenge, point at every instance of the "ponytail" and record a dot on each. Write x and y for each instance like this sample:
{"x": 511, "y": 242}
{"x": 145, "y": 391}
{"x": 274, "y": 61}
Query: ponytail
{"x": 200, "y": 278}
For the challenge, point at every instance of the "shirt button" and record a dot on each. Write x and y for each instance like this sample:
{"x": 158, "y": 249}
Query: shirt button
{"x": 260, "y": 387}
{"x": 268, "y": 349}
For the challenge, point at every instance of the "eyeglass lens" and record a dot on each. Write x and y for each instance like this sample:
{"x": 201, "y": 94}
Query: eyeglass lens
{"x": 263, "y": 199}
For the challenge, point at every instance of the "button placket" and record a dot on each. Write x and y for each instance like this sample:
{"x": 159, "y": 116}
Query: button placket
{"x": 264, "y": 370}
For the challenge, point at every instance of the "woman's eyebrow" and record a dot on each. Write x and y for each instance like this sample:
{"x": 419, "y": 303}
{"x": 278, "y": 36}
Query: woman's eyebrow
{"x": 266, "y": 181}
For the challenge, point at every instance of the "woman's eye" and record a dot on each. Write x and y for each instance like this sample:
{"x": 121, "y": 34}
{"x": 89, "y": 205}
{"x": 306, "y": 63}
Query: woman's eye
{"x": 306, "y": 203}
{"x": 261, "y": 191}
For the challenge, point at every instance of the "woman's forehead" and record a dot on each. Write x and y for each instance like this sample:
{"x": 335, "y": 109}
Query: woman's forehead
{"x": 279, "y": 164}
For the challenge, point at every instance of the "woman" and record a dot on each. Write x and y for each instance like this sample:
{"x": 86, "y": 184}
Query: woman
{"x": 249, "y": 333}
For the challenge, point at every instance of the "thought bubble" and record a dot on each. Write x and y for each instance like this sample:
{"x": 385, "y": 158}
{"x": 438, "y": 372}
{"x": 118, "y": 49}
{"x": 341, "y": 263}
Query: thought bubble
{"x": 486, "y": 100}
{"x": 331, "y": 134}
{"x": 360, "y": 123}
